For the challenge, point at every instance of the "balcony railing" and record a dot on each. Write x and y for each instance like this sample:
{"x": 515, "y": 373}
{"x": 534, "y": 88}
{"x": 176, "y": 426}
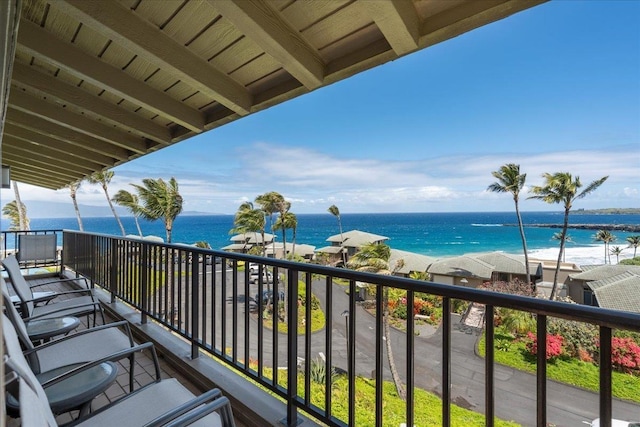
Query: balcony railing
{"x": 205, "y": 296}
{"x": 10, "y": 244}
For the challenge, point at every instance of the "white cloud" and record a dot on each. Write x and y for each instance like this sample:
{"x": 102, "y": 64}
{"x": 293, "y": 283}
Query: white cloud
{"x": 313, "y": 180}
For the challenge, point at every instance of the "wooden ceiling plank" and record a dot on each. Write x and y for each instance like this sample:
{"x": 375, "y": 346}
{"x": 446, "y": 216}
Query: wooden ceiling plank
{"x": 38, "y": 180}
{"x": 127, "y": 29}
{"x": 44, "y": 127}
{"x": 53, "y": 113}
{"x": 258, "y": 21}
{"x": 99, "y": 73}
{"x": 398, "y": 21}
{"x": 50, "y": 86}
{"x": 43, "y": 141}
{"x": 22, "y": 148}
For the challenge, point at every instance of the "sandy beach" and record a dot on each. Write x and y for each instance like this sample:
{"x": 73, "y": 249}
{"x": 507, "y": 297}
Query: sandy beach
{"x": 583, "y": 255}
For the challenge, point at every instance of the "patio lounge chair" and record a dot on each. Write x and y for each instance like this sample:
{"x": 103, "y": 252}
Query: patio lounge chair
{"x": 146, "y": 406}
{"x": 84, "y": 302}
{"x": 85, "y": 346}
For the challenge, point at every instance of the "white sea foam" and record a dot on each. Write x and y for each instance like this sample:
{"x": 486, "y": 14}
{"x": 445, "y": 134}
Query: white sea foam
{"x": 582, "y": 255}
{"x": 487, "y": 225}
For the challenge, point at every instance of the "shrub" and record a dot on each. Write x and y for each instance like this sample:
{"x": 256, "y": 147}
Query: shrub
{"x": 517, "y": 322}
{"x": 318, "y": 372}
{"x": 578, "y": 337}
{"x": 554, "y": 345}
{"x": 625, "y": 354}
{"x": 401, "y": 311}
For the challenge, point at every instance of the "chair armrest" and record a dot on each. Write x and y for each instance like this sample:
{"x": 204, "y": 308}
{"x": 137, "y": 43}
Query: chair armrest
{"x": 114, "y": 357}
{"x": 221, "y": 404}
{"x": 186, "y": 407}
{"x": 84, "y": 279}
{"x": 69, "y": 307}
{"x": 122, "y": 323}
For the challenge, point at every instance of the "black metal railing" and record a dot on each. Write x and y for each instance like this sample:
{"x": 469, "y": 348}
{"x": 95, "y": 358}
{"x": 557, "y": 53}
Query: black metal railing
{"x": 215, "y": 301}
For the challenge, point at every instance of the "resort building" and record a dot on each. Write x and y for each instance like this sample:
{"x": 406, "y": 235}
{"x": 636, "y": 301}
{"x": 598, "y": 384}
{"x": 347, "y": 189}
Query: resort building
{"x": 348, "y": 243}
{"x": 242, "y": 243}
{"x": 462, "y": 271}
{"x": 545, "y": 285}
{"x": 410, "y": 261}
{"x": 609, "y": 286}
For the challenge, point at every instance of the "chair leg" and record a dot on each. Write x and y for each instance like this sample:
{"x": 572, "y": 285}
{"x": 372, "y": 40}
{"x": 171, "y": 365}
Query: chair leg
{"x": 132, "y": 364}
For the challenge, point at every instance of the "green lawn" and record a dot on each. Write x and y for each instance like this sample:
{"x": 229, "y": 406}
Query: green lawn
{"x": 318, "y": 319}
{"x": 567, "y": 370}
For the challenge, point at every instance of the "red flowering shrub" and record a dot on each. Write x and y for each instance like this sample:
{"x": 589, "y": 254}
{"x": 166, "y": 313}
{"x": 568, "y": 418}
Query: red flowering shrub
{"x": 625, "y": 354}
{"x": 554, "y": 345}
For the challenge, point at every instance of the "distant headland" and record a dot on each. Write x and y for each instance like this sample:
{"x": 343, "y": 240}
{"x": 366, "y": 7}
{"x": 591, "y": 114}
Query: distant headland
{"x": 607, "y": 211}
{"x": 611, "y": 227}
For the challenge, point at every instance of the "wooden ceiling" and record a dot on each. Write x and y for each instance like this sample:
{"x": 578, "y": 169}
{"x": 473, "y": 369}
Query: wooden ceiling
{"x": 98, "y": 83}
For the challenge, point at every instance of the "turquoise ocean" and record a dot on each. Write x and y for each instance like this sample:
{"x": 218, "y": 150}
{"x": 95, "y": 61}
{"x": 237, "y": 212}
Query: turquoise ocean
{"x": 433, "y": 234}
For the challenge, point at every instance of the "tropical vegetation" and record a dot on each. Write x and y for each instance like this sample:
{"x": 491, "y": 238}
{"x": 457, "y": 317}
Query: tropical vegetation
{"x": 510, "y": 180}
{"x": 634, "y": 242}
{"x": 160, "y": 200}
{"x": 103, "y": 178}
{"x": 374, "y": 258}
{"x": 131, "y": 202}
{"x": 73, "y": 191}
{"x": 333, "y": 210}
{"x": 14, "y": 214}
{"x": 616, "y": 250}
{"x": 561, "y": 187}
{"x": 607, "y": 238}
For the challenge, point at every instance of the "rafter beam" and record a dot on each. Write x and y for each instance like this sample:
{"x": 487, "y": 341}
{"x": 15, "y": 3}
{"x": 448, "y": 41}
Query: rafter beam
{"x": 56, "y": 114}
{"x": 38, "y": 179}
{"x": 51, "y": 87}
{"x": 53, "y": 130}
{"x": 259, "y": 22}
{"x": 40, "y": 140}
{"x": 12, "y": 146}
{"x": 146, "y": 40}
{"x": 97, "y": 72}
{"x": 37, "y": 164}
{"x": 398, "y": 21}
{"x": 66, "y": 156}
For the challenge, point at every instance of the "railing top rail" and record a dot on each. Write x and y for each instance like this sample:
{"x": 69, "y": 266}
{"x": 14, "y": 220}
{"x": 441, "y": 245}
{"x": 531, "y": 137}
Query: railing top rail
{"x": 48, "y": 230}
{"x": 577, "y": 312}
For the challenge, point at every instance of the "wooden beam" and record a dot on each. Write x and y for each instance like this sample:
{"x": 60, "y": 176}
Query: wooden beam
{"x": 44, "y": 167}
{"x": 469, "y": 16}
{"x": 51, "y": 87}
{"x": 99, "y": 73}
{"x": 38, "y": 179}
{"x": 57, "y": 114}
{"x": 146, "y": 40}
{"x": 259, "y": 22}
{"x": 398, "y": 21}
{"x": 53, "y": 130}
{"x": 44, "y": 155}
{"x": 57, "y": 155}
{"x": 55, "y": 144}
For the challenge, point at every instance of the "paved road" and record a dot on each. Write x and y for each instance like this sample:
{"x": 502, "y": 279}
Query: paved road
{"x": 515, "y": 391}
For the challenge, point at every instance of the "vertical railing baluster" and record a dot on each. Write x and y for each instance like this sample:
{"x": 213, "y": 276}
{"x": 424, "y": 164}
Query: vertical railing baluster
{"x": 223, "y": 305}
{"x": 307, "y": 342}
{"x": 541, "y": 371}
{"x": 446, "y": 362}
{"x": 351, "y": 352}
{"x": 605, "y": 377}
{"x": 144, "y": 280}
{"x": 380, "y": 310}
{"x": 195, "y": 306}
{"x": 246, "y": 325}
{"x": 410, "y": 353}
{"x": 261, "y": 307}
{"x": 292, "y": 346}
{"x": 113, "y": 270}
{"x": 328, "y": 337}
{"x": 489, "y": 367}
{"x": 234, "y": 320}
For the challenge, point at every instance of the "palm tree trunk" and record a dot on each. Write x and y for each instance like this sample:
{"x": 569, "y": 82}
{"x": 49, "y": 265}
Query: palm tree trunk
{"x": 402, "y": 393}
{"x": 294, "y": 241}
{"x": 344, "y": 256}
{"x": 135, "y": 218}
{"x": 524, "y": 245}
{"x": 113, "y": 210}
{"x": 565, "y": 225}
{"x": 284, "y": 242}
{"x": 21, "y": 211}
{"x": 75, "y": 206}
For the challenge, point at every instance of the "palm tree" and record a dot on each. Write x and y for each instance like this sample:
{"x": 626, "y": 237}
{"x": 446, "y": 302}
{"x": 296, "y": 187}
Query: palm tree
{"x": 560, "y": 187}
{"x": 22, "y": 212}
{"x": 510, "y": 180}
{"x": 616, "y": 250}
{"x": 374, "y": 258}
{"x": 606, "y": 237}
{"x": 73, "y": 190}
{"x": 131, "y": 202}
{"x": 287, "y": 221}
{"x": 160, "y": 200}
{"x": 247, "y": 220}
{"x": 11, "y": 211}
{"x": 270, "y": 203}
{"x": 567, "y": 238}
{"x": 634, "y": 242}
{"x": 333, "y": 210}
{"x": 104, "y": 178}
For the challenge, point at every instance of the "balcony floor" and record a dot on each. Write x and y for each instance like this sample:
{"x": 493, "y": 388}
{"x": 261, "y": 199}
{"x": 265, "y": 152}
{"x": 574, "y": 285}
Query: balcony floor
{"x": 144, "y": 369}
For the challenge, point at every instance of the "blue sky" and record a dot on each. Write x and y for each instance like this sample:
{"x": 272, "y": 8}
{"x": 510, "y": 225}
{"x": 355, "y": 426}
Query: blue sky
{"x": 554, "y": 88}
